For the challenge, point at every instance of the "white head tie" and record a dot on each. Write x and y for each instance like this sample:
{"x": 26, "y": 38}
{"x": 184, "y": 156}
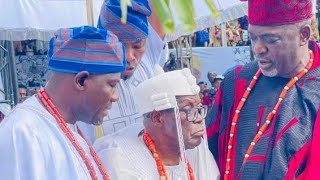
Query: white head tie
{"x": 159, "y": 92}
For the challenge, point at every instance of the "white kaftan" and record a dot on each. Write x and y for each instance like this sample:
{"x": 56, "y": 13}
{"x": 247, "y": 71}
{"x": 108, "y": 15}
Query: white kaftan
{"x": 124, "y": 112}
{"x": 32, "y": 146}
{"x": 126, "y": 157}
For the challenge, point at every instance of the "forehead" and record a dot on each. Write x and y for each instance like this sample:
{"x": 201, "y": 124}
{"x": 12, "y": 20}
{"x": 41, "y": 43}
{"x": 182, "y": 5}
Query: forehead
{"x": 128, "y": 43}
{"x": 108, "y": 77}
{"x": 263, "y": 30}
{"x": 22, "y": 89}
{"x": 188, "y": 101}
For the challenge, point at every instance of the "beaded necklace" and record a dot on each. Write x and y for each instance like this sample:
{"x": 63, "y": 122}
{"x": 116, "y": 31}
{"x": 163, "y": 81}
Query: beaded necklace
{"x": 48, "y": 104}
{"x": 160, "y": 166}
{"x": 264, "y": 127}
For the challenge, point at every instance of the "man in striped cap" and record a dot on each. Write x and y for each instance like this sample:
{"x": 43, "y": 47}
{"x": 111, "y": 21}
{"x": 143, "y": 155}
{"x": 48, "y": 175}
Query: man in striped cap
{"x": 39, "y": 138}
{"x": 265, "y": 123}
{"x": 143, "y": 39}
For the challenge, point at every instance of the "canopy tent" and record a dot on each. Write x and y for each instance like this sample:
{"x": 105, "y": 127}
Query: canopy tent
{"x": 228, "y": 10}
{"x": 38, "y": 19}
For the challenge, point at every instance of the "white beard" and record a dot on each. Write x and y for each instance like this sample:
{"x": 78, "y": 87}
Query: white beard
{"x": 270, "y": 73}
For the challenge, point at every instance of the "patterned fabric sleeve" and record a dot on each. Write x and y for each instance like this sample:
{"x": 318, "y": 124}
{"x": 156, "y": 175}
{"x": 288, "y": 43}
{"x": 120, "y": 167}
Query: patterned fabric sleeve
{"x": 312, "y": 165}
{"x": 213, "y": 120}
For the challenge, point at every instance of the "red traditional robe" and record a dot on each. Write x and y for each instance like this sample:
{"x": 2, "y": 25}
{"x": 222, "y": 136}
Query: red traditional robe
{"x": 289, "y": 147}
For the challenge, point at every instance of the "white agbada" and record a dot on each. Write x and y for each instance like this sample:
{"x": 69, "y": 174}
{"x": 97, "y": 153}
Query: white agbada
{"x": 126, "y": 157}
{"x": 125, "y": 154}
{"x": 124, "y": 112}
{"x": 32, "y": 146}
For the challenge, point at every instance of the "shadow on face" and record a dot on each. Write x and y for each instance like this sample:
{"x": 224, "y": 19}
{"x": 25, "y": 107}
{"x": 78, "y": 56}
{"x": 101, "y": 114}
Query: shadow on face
{"x": 134, "y": 53}
{"x": 22, "y": 94}
{"x": 279, "y": 50}
{"x": 192, "y": 123}
{"x": 96, "y": 94}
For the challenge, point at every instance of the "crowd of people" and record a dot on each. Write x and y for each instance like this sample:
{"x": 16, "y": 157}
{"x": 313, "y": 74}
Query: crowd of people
{"x": 236, "y": 35}
{"x": 207, "y": 95}
{"x": 257, "y": 121}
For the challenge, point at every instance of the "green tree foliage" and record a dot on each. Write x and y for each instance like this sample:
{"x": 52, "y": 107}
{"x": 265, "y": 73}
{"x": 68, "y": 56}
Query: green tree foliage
{"x": 183, "y": 9}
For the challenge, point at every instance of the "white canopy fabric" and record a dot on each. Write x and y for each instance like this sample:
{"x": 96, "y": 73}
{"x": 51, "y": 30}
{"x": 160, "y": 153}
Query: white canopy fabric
{"x": 38, "y": 19}
{"x": 228, "y": 9}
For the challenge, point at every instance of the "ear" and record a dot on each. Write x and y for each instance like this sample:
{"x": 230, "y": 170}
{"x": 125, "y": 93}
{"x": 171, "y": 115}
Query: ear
{"x": 79, "y": 80}
{"x": 305, "y": 34}
{"x": 157, "y": 118}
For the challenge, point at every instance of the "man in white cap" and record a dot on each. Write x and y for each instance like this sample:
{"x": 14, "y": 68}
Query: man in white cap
{"x": 173, "y": 127}
{"x": 39, "y": 138}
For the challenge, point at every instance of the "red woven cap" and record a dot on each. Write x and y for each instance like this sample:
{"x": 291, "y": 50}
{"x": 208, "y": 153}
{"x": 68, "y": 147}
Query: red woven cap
{"x": 278, "y": 12}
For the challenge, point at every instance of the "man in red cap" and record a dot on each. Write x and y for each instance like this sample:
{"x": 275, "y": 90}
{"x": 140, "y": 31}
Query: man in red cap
{"x": 265, "y": 122}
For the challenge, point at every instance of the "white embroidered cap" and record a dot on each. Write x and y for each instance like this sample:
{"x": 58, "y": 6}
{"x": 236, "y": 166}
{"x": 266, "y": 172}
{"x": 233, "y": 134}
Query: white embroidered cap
{"x": 159, "y": 92}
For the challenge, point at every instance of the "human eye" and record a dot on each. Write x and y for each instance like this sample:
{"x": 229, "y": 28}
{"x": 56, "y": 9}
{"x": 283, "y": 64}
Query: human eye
{"x": 113, "y": 84}
{"x": 137, "y": 45}
{"x": 252, "y": 37}
{"x": 271, "y": 39}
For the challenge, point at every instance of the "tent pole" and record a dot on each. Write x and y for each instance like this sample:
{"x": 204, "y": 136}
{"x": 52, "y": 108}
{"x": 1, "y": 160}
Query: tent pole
{"x": 13, "y": 72}
{"x": 224, "y": 35}
{"x": 89, "y": 7}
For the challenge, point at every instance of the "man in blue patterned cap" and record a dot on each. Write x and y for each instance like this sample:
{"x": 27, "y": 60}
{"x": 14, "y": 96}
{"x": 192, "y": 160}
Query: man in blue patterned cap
{"x": 143, "y": 39}
{"x": 39, "y": 138}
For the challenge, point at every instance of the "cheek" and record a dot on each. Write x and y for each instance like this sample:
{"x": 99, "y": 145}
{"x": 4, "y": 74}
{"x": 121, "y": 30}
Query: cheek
{"x": 139, "y": 53}
{"x": 186, "y": 129}
{"x": 283, "y": 60}
{"x": 103, "y": 95}
{"x": 170, "y": 129}
{"x": 107, "y": 93}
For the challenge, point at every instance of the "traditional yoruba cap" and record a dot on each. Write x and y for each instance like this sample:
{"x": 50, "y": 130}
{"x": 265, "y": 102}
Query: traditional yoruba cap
{"x": 136, "y": 27}
{"x": 86, "y": 48}
{"x": 279, "y": 12}
{"x": 159, "y": 92}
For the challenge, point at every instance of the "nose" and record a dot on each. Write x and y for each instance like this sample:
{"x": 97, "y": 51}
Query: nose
{"x": 115, "y": 96}
{"x": 130, "y": 55}
{"x": 199, "y": 119}
{"x": 259, "y": 47}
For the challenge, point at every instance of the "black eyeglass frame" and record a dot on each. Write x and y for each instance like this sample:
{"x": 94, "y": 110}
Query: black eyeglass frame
{"x": 197, "y": 112}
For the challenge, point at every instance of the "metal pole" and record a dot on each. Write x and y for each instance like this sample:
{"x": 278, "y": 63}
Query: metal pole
{"x": 13, "y": 72}
{"x": 224, "y": 35}
{"x": 89, "y": 7}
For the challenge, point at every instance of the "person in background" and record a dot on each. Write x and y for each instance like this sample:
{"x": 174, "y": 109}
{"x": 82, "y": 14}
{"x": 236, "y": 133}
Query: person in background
{"x": 202, "y": 38}
{"x": 203, "y": 94}
{"x": 202, "y": 85}
{"x": 215, "y": 81}
{"x": 22, "y": 90}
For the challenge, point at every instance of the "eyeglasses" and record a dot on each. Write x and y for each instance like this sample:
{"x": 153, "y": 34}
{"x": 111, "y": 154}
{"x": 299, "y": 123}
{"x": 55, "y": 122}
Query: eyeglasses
{"x": 193, "y": 113}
